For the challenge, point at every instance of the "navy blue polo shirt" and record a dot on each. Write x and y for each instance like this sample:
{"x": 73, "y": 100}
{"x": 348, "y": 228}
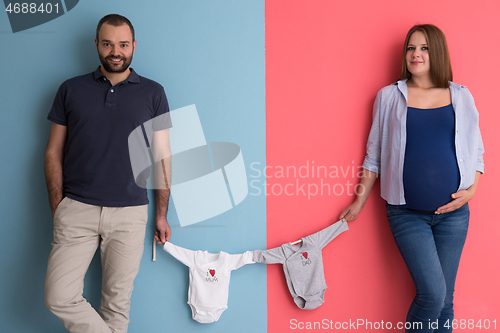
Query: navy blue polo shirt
{"x": 100, "y": 117}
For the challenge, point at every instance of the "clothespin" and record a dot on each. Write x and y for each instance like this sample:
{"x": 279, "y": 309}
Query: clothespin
{"x": 297, "y": 242}
{"x": 154, "y": 249}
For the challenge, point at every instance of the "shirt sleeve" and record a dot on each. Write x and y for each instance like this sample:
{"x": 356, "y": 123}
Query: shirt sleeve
{"x": 325, "y": 236}
{"x": 272, "y": 256}
{"x": 185, "y": 256}
{"x": 238, "y": 260}
{"x": 57, "y": 113}
{"x": 373, "y": 146}
{"x": 161, "y": 115}
{"x": 480, "y": 148}
{"x": 479, "y": 163}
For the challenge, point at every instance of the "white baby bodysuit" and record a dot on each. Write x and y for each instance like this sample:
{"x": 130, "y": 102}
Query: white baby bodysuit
{"x": 209, "y": 275}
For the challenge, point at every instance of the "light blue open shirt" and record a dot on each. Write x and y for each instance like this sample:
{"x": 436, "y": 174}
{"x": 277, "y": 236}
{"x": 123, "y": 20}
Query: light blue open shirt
{"x": 385, "y": 150}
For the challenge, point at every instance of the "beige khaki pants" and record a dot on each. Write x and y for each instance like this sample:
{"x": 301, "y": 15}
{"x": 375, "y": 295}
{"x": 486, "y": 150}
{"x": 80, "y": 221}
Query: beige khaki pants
{"x": 78, "y": 230}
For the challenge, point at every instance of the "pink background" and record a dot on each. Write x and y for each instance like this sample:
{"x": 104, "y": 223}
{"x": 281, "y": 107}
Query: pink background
{"x": 325, "y": 62}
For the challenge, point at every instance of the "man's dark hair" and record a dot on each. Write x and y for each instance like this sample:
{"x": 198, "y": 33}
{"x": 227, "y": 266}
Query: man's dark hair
{"x": 114, "y": 20}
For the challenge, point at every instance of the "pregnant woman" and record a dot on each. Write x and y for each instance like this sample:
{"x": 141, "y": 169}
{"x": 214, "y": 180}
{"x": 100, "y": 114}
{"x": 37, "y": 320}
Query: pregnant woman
{"x": 426, "y": 146}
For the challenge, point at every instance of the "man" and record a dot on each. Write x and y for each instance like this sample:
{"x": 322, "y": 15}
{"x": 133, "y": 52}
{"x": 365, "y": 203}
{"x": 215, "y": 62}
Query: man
{"x": 92, "y": 192}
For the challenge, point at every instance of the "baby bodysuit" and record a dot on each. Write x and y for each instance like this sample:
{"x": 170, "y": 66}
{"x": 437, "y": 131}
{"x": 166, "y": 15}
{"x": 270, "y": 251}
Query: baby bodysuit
{"x": 209, "y": 275}
{"x": 303, "y": 265}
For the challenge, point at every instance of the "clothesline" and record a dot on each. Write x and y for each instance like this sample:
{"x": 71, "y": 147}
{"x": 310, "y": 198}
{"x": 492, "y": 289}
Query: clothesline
{"x": 154, "y": 246}
{"x": 209, "y": 272}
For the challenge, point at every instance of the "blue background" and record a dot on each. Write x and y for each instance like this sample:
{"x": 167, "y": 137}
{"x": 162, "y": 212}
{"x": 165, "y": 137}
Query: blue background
{"x": 208, "y": 53}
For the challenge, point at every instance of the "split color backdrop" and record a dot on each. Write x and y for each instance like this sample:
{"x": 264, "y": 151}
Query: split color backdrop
{"x": 292, "y": 83}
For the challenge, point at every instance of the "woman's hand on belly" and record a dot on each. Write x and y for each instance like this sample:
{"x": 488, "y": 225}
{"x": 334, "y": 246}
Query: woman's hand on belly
{"x": 460, "y": 198}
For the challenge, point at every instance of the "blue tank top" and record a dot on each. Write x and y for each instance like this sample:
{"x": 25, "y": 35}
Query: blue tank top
{"x": 430, "y": 171}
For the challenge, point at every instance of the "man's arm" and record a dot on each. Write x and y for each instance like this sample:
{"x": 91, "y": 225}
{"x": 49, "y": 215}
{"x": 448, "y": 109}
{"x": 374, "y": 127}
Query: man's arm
{"x": 163, "y": 175}
{"x": 54, "y": 155}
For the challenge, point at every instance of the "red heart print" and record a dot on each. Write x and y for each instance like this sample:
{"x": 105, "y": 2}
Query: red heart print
{"x": 304, "y": 254}
{"x": 212, "y": 272}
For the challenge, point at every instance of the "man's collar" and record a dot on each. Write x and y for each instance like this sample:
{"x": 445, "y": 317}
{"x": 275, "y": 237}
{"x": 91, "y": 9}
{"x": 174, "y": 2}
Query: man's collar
{"x": 132, "y": 78}
{"x": 97, "y": 73}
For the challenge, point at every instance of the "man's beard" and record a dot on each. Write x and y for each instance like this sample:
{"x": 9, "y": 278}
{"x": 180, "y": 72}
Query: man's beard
{"x": 110, "y": 68}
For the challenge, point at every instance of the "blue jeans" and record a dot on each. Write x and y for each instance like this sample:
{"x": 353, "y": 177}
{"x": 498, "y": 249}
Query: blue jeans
{"x": 431, "y": 246}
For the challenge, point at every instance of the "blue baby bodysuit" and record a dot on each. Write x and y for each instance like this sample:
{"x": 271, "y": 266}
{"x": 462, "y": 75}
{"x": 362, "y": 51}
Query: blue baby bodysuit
{"x": 303, "y": 265}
